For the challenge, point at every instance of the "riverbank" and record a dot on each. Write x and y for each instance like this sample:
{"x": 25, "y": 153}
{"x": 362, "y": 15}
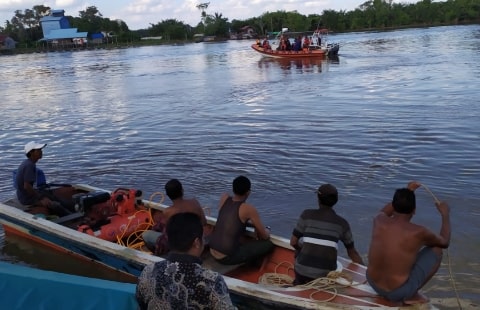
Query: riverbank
{"x": 84, "y": 47}
{"x": 139, "y": 43}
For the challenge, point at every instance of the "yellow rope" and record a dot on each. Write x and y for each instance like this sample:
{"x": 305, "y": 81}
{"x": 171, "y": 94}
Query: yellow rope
{"x": 430, "y": 192}
{"x": 318, "y": 285}
{"x": 135, "y": 240}
{"x": 452, "y": 280}
{"x": 157, "y": 194}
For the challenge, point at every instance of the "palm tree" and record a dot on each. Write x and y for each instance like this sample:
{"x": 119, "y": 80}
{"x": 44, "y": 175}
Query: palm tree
{"x": 203, "y": 7}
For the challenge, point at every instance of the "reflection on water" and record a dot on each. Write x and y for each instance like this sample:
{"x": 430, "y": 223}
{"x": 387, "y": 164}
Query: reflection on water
{"x": 308, "y": 64}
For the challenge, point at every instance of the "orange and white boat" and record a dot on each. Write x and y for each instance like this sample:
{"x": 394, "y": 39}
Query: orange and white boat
{"x": 317, "y": 47}
{"x": 264, "y": 286}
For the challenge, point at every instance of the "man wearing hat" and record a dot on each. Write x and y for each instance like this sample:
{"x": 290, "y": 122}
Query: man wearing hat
{"x": 315, "y": 238}
{"x": 27, "y": 175}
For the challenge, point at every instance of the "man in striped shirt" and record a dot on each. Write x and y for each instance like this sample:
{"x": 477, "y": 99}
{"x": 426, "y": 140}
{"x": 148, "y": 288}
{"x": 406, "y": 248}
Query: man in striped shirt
{"x": 316, "y": 236}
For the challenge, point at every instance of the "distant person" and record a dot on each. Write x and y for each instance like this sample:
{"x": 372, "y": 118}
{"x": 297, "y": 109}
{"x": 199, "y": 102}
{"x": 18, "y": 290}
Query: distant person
{"x": 316, "y": 236}
{"x": 283, "y": 44}
{"x": 404, "y": 256}
{"x": 180, "y": 281}
{"x": 288, "y": 45}
{"x": 174, "y": 191}
{"x": 233, "y": 217}
{"x": 266, "y": 44}
{"x": 34, "y": 197}
{"x": 306, "y": 43}
{"x": 297, "y": 46}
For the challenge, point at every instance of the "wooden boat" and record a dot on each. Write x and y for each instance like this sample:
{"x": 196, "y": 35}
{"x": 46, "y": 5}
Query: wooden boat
{"x": 24, "y": 287}
{"x": 264, "y": 286}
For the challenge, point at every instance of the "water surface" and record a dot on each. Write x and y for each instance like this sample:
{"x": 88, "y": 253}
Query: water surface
{"x": 395, "y": 106}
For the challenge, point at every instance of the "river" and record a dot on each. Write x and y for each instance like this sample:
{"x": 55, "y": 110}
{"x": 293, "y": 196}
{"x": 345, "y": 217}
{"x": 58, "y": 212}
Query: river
{"x": 395, "y": 106}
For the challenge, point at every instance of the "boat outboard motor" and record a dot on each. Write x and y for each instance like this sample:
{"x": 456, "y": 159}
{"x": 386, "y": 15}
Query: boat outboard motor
{"x": 84, "y": 202}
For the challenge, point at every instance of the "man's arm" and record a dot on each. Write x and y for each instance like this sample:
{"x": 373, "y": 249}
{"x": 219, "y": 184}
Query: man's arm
{"x": 248, "y": 212}
{"x": 445, "y": 230}
{"x": 200, "y": 212}
{"x": 354, "y": 256}
{"x": 31, "y": 191}
{"x": 223, "y": 198}
{"x": 387, "y": 209}
{"x": 219, "y": 296}
{"x": 294, "y": 242}
{"x": 442, "y": 240}
{"x": 43, "y": 201}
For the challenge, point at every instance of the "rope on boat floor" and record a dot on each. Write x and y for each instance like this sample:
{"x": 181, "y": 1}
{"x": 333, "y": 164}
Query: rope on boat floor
{"x": 328, "y": 283}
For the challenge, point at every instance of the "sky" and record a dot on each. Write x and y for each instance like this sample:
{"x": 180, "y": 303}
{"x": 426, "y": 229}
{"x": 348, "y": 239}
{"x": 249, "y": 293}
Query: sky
{"x": 140, "y": 14}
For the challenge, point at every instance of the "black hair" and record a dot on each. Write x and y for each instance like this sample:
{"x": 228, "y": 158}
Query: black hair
{"x": 404, "y": 201}
{"x": 327, "y": 199}
{"x": 241, "y": 185}
{"x": 182, "y": 230}
{"x": 174, "y": 189}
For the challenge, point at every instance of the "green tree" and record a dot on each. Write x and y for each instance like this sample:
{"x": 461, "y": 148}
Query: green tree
{"x": 216, "y": 25}
{"x": 170, "y": 29}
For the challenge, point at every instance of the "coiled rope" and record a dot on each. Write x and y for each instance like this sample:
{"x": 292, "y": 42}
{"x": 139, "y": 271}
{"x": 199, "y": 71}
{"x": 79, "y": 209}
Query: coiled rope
{"x": 135, "y": 240}
{"x": 328, "y": 283}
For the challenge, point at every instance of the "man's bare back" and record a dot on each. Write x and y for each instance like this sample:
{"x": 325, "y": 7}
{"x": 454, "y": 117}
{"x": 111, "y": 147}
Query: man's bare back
{"x": 397, "y": 245}
{"x": 181, "y": 205}
{"x": 394, "y": 248}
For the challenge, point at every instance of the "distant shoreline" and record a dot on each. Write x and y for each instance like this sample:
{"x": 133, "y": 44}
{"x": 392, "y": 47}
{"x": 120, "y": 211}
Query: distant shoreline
{"x": 120, "y": 45}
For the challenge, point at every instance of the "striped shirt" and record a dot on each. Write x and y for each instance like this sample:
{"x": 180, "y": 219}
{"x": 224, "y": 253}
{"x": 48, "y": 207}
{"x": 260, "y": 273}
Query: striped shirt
{"x": 320, "y": 230}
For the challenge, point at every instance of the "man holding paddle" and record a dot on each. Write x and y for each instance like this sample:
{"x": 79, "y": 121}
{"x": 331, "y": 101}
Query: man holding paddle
{"x": 404, "y": 256}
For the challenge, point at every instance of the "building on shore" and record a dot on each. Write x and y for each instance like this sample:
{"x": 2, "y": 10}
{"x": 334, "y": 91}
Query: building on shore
{"x": 6, "y": 42}
{"x": 57, "y": 32}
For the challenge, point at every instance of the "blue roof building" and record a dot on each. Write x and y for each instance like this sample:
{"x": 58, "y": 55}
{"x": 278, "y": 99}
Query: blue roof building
{"x": 56, "y": 27}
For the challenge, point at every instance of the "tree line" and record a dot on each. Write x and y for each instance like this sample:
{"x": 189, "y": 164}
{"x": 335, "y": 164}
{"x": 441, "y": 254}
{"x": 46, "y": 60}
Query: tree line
{"x": 24, "y": 27}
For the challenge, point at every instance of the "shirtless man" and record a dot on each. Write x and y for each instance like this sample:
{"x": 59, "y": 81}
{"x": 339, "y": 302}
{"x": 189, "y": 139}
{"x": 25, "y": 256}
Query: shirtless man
{"x": 174, "y": 191}
{"x": 404, "y": 256}
{"x": 225, "y": 241}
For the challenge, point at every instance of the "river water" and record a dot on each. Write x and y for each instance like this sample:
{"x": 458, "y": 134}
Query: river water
{"x": 395, "y": 106}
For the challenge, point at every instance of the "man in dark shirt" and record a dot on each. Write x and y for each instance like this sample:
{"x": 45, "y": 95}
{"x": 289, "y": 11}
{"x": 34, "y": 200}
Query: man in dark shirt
{"x": 315, "y": 238}
{"x": 27, "y": 175}
{"x": 180, "y": 281}
{"x": 57, "y": 201}
{"x": 234, "y": 214}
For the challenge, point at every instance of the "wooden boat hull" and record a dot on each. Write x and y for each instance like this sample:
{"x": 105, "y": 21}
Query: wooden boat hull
{"x": 349, "y": 291}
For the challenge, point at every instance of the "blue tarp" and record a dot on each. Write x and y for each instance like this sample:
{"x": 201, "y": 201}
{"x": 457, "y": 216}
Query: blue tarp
{"x": 29, "y": 288}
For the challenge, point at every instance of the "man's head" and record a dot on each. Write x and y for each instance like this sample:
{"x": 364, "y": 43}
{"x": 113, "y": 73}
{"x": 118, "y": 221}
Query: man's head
{"x": 174, "y": 189}
{"x": 184, "y": 231}
{"x": 327, "y": 195}
{"x": 33, "y": 148}
{"x": 241, "y": 185}
{"x": 404, "y": 201}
